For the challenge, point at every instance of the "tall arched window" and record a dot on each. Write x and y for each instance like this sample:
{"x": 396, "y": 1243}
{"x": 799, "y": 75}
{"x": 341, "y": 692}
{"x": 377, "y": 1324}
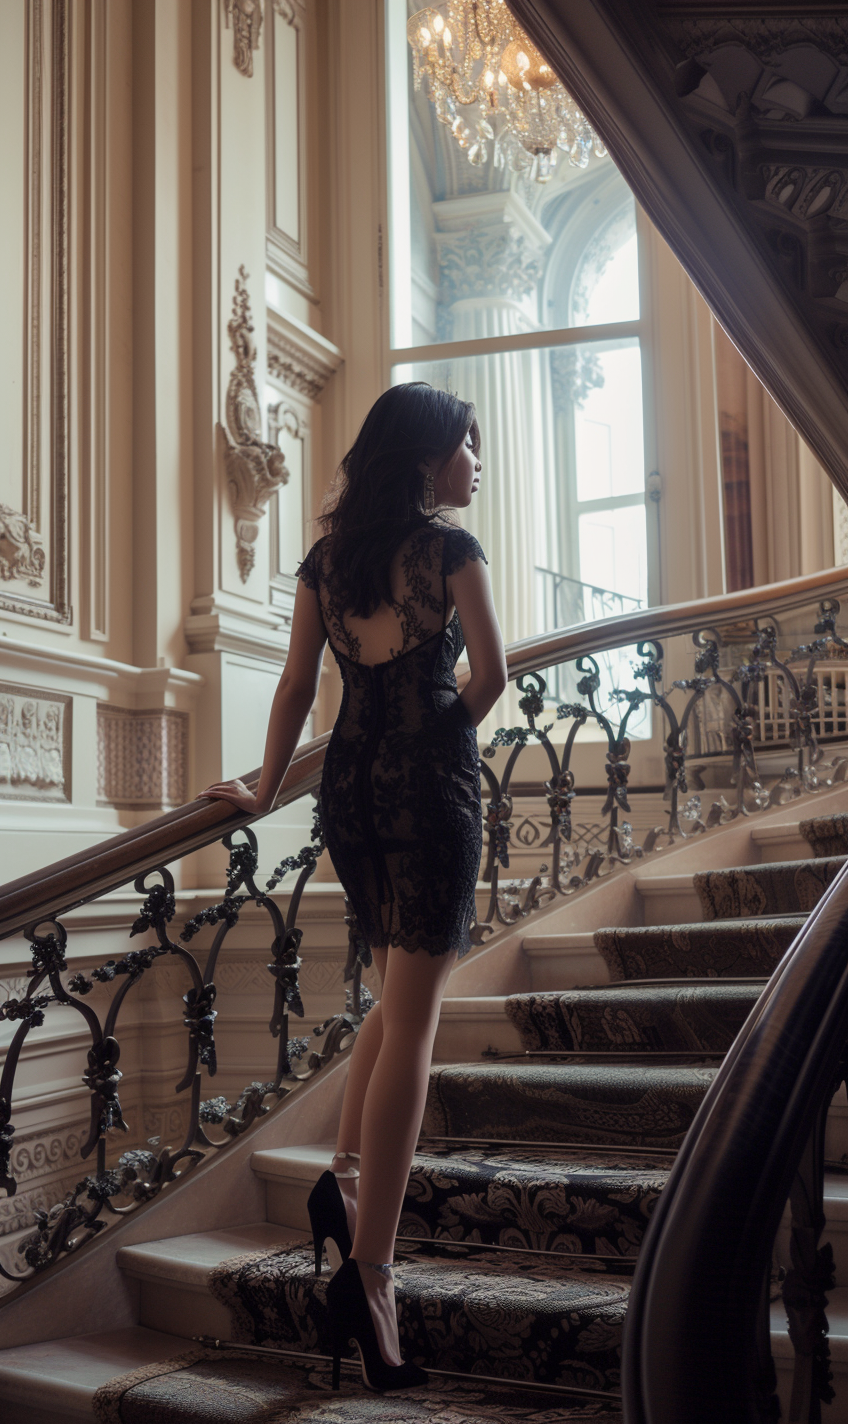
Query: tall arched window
{"x": 525, "y": 298}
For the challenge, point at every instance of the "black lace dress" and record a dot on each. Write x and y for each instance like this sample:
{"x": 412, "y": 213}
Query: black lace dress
{"x": 400, "y": 795}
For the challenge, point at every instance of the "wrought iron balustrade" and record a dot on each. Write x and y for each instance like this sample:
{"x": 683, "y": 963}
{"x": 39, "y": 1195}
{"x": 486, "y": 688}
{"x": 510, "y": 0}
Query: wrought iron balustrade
{"x": 563, "y": 602}
{"x": 760, "y": 677}
{"x": 117, "y": 1182}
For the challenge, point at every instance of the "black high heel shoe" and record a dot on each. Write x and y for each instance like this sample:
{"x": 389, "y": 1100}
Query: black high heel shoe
{"x": 328, "y": 1219}
{"x": 351, "y": 1323}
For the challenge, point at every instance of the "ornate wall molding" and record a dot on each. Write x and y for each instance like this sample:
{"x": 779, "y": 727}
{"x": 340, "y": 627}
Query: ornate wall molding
{"x": 285, "y": 145}
{"x": 299, "y": 358}
{"x": 142, "y": 757}
{"x": 35, "y": 744}
{"x": 34, "y": 522}
{"x": 244, "y": 17}
{"x": 254, "y": 468}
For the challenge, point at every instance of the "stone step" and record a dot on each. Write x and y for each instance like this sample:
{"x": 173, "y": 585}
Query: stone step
{"x": 487, "y": 1312}
{"x": 655, "y": 1019}
{"x": 836, "y": 1228}
{"x": 779, "y": 888}
{"x": 173, "y": 1276}
{"x": 290, "y": 1173}
{"x": 784, "y": 1357}
{"x": 635, "y": 1105}
{"x": 581, "y": 1202}
{"x": 468, "y": 1026}
{"x": 62, "y": 1377}
{"x": 724, "y": 949}
{"x": 563, "y": 961}
{"x": 780, "y": 842}
{"x": 56, "y": 1380}
{"x": 667, "y": 899}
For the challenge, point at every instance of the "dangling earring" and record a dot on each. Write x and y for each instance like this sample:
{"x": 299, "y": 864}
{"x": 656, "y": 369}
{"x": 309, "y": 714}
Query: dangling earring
{"x": 430, "y": 493}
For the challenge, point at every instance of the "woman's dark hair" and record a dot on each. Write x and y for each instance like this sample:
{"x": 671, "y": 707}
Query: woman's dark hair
{"x": 379, "y": 494}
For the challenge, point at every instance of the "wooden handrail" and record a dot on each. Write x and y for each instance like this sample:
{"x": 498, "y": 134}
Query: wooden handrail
{"x": 68, "y": 883}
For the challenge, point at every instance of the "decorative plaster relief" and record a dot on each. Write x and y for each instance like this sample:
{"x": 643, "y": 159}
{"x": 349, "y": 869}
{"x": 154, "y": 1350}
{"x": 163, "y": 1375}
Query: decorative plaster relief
{"x": 245, "y": 17}
{"x": 491, "y": 260}
{"x": 142, "y": 757}
{"x": 21, "y": 550}
{"x": 254, "y": 469}
{"x": 35, "y": 744}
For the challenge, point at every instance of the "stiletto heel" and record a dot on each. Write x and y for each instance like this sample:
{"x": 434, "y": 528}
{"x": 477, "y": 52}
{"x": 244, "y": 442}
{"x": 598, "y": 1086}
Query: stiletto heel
{"x": 328, "y": 1219}
{"x": 351, "y": 1322}
{"x": 337, "y": 1370}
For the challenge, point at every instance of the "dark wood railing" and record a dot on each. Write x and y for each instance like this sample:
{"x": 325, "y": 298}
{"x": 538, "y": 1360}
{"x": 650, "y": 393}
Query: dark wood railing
{"x": 696, "y": 1345}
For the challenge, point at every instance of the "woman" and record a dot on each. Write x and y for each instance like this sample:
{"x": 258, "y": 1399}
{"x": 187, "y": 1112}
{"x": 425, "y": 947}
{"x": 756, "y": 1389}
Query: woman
{"x": 387, "y": 586}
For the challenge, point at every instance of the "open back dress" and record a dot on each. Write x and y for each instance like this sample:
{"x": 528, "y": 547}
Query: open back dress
{"x": 400, "y": 795}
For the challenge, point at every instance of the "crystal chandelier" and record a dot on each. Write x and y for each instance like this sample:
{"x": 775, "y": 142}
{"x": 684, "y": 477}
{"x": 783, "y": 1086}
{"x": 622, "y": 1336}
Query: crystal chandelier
{"x": 490, "y": 86}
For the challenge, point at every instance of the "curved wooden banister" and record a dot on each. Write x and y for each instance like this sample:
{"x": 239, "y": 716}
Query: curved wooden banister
{"x": 68, "y": 883}
{"x": 703, "y": 1266}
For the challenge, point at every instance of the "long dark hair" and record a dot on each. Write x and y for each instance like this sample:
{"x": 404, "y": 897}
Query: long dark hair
{"x": 379, "y": 495}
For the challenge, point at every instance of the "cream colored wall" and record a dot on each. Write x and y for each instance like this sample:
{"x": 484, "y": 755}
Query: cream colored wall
{"x": 140, "y": 664}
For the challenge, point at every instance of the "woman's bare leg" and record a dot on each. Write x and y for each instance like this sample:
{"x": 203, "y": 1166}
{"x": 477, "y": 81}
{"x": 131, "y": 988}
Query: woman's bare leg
{"x": 391, "y": 1120}
{"x": 362, "y": 1059}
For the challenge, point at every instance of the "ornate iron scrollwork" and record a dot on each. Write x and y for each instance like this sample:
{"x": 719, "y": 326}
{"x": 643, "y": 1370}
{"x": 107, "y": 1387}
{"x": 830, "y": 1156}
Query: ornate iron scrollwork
{"x": 140, "y": 1174}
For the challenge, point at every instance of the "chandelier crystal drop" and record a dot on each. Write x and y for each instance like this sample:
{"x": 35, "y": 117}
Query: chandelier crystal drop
{"x": 492, "y": 88}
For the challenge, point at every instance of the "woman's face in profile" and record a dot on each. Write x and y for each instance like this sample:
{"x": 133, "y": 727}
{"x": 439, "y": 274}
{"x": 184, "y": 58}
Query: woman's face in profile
{"x": 459, "y": 477}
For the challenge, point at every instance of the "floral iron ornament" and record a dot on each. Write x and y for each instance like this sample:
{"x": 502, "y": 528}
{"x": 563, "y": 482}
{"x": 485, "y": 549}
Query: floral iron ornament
{"x": 140, "y": 1173}
{"x": 576, "y": 861}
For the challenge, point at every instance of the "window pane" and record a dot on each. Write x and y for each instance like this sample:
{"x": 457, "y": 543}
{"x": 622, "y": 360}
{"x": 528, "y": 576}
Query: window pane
{"x": 613, "y": 550}
{"x": 476, "y": 252}
{"x": 608, "y": 422}
{"x": 561, "y": 430}
{"x": 606, "y": 283}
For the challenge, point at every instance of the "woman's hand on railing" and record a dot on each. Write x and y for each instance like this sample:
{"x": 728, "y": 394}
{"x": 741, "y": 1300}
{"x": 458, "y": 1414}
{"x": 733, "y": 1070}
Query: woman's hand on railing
{"x": 236, "y": 792}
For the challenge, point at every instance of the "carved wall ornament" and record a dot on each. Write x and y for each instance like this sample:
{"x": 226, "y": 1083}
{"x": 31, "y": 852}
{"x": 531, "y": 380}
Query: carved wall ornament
{"x": 142, "y": 756}
{"x": 485, "y": 261}
{"x": 575, "y": 371}
{"x": 35, "y": 744}
{"x": 301, "y": 359}
{"x": 255, "y": 469}
{"x": 245, "y": 18}
{"x": 21, "y": 548}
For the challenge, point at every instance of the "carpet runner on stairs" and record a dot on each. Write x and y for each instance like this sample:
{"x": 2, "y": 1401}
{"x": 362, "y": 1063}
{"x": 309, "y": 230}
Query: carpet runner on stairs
{"x": 214, "y": 1387}
{"x": 537, "y": 1176}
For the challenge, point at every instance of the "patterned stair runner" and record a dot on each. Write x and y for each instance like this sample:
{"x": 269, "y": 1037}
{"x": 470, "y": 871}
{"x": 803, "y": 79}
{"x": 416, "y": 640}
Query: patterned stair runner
{"x": 536, "y": 1178}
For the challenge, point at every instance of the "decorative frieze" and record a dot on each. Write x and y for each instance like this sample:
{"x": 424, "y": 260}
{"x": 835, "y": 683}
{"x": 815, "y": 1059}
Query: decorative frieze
{"x": 299, "y": 358}
{"x": 35, "y": 744}
{"x": 142, "y": 757}
{"x": 244, "y": 17}
{"x": 488, "y": 261}
{"x": 254, "y": 468}
{"x": 21, "y": 548}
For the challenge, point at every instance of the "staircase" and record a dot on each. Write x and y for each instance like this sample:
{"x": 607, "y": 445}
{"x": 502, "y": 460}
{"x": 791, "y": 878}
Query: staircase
{"x": 544, "y": 1148}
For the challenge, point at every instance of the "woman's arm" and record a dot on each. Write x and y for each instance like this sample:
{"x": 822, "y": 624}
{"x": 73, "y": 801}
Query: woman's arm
{"x": 471, "y": 592}
{"x": 292, "y": 703}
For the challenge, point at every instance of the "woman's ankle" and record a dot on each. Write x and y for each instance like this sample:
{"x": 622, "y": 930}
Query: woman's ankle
{"x": 380, "y": 1294}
